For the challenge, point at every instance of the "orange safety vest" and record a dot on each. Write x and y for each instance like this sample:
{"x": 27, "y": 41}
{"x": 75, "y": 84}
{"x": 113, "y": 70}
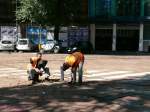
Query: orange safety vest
{"x": 35, "y": 61}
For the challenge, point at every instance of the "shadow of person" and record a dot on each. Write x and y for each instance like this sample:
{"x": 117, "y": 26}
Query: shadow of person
{"x": 51, "y": 80}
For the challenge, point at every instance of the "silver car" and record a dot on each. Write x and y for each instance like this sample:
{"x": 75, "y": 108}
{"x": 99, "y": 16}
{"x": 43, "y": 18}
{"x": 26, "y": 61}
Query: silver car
{"x": 7, "y": 45}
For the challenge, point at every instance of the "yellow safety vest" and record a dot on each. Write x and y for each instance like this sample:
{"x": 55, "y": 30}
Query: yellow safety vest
{"x": 70, "y": 59}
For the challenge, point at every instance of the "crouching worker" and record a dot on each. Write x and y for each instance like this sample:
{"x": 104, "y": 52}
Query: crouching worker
{"x": 75, "y": 61}
{"x": 33, "y": 72}
{"x": 36, "y": 68}
{"x": 42, "y": 67}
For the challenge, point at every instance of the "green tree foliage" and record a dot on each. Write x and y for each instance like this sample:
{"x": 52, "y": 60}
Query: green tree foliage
{"x": 49, "y": 12}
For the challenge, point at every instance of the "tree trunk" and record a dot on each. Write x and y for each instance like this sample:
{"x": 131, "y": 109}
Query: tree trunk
{"x": 58, "y": 20}
{"x": 23, "y": 30}
{"x": 56, "y": 32}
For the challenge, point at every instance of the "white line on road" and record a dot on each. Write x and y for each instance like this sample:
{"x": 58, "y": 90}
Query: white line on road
{"x": 122, "y": 76}
{"x": 95, "y": 75}
{"x": 108, "y": 73}
{"x": 1, "y": 69}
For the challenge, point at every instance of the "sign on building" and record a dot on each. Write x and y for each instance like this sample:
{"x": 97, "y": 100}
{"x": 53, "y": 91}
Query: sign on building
{"x": 76, "y": 34}
{"x": 8, "y": 33}
{"x": 37, "y": 35}
{"x": 63, "y": 36}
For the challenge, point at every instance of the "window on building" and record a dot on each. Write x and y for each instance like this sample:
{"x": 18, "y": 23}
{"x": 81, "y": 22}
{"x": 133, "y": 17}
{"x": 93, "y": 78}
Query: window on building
{"x": 128, "y": 7}
{"x": 147, "y": 8}
{"x": 103, "y": 8}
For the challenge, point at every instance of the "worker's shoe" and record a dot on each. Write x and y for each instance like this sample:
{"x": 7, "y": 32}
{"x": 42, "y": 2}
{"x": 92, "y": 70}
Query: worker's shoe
{"x": 29, "y": 78}
{"x": 71, "y": 82}
{"x": 47, "y": 79}
{"x": 33, "y": 82}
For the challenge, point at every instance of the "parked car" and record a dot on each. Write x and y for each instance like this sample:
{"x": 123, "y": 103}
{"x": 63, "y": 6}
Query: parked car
{"x": 7, "y": 45}
{"x": 83, "y": 46}
{"x": 23, "y": 45}
{"x": 50, "y": 46}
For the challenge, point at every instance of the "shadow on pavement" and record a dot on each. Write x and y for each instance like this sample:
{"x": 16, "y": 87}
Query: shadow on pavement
{"x": 114, "y": 96}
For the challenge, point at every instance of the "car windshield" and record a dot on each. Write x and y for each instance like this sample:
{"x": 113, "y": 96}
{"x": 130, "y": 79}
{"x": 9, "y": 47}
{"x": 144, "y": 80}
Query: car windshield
{"x": 22, "y": 42}
{"x": 6, "y": 42}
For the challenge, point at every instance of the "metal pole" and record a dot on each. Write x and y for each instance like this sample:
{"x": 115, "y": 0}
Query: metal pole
{"x": 40, "y": 37}
{"x": 114, "y": 37}
{"x": 16, "y": 21}
{"x": 141, "y": 37}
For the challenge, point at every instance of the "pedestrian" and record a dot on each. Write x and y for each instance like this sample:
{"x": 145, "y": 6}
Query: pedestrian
{"x": 74, "y": 61}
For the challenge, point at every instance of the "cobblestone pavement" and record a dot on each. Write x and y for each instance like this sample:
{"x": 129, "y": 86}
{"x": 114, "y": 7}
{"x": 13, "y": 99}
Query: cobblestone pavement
{"x": 112, "y": 83}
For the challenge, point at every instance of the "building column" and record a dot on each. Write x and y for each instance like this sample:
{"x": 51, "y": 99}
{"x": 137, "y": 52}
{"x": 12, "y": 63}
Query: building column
{"x": 141, "y": 37}
{"x": 114, "y": 37}
{"x": 92, "y": 35}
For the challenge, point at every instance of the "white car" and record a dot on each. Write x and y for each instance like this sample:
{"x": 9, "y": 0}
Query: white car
{"x": 23, "y": 45}
{"x": 50, "y": 46}
{"x": 7, "y": 45}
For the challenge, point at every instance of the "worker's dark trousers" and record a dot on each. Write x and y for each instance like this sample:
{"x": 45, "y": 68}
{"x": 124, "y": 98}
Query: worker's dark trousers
{"x": 33, "y": 75}
{"x": 46, "y": 70}
{"x": 79, "y": 71}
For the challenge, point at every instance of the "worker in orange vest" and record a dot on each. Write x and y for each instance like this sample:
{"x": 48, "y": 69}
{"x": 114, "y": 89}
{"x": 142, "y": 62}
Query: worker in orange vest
{"x": 37, "y": 67}
{"x": 74, "y": 60}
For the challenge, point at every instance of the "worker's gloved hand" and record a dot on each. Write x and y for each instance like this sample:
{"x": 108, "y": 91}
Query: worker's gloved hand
{"x": 42, "y": 70}
{"x": 40, "y": 73}
{"x": 65, "y": 66}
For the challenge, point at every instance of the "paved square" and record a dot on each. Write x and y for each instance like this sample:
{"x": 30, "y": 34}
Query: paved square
{"x": 112, "y": 83}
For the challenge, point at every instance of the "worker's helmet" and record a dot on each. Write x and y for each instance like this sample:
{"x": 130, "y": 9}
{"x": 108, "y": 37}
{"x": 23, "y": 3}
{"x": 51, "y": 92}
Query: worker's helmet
{"x": 74, "y": 49}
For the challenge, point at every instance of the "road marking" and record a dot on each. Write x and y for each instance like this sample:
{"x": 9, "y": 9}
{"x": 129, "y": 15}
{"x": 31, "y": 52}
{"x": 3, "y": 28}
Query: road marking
{"x": 95, "y": 71}
{"x": 92, "y": 75}
{"x": 4, "y": 72}
{"x": 122, "y": 76}
{"x": 129, "y": 75}
{"x": 12, "y": 74}
{"x": 11, "y": 71}
{"x": 108, "y": 73}
{"x": 1, "y": 69}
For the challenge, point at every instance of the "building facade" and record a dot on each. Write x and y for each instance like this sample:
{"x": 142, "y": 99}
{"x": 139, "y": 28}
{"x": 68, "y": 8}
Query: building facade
{"x": 115, "y": 25}
{"x": 119, "y": 25}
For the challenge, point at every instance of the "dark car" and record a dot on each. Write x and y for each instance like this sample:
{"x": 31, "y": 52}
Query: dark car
{"x": 83, "y": 46}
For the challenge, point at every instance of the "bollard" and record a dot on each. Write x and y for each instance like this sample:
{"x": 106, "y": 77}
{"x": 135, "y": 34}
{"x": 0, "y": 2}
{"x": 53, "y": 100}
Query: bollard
{"x": 62, "y": 74}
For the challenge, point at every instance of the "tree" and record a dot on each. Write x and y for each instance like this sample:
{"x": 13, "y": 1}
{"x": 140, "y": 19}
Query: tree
{"x": 50, "y": 12}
